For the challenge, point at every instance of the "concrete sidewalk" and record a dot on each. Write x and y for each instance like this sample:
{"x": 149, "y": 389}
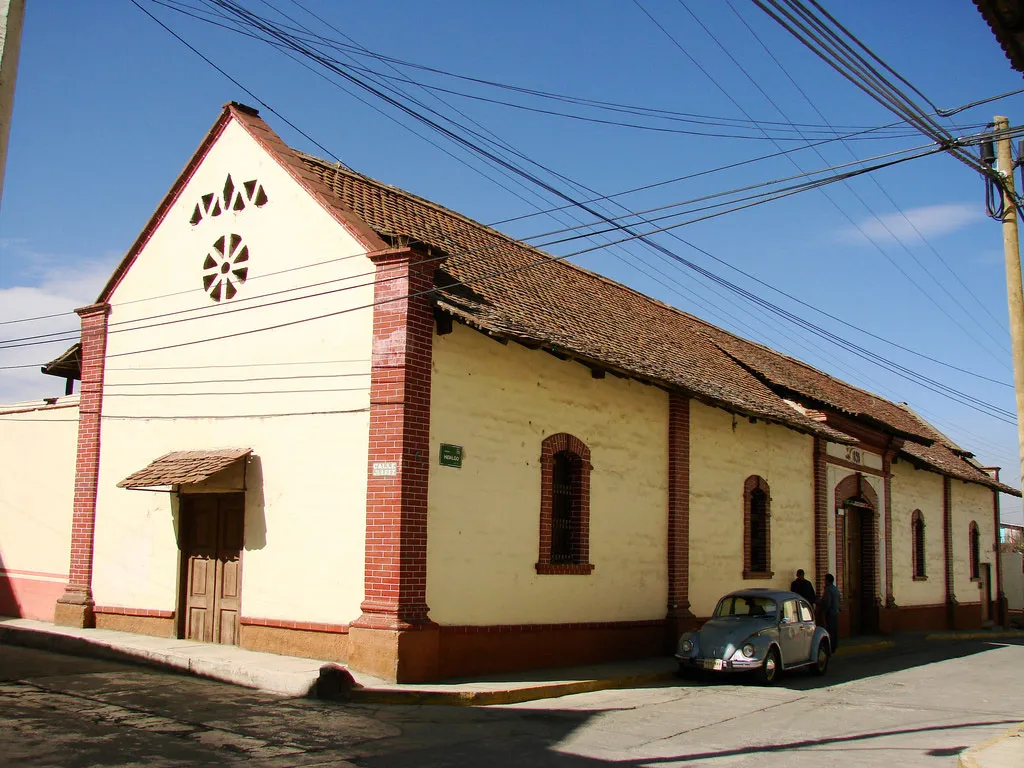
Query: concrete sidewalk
{"x": 291, "y": 676}
{"x": 1004, "y": 751}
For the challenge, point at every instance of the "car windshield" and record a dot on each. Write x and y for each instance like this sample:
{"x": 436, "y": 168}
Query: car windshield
{"x": 742, "y": 606}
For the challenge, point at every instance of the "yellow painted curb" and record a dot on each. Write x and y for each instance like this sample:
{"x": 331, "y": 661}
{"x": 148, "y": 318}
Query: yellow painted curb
{"x": 969, "y": 757}
{"x": 509, "y": 696}
{"x": 865, "y": 648}
{"x": 974, "y": 635}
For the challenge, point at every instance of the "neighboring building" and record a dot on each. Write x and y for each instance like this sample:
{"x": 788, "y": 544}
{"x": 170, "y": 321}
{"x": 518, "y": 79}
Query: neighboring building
{"x": 1011, "y": 563}
{"x": 382, "y": 433}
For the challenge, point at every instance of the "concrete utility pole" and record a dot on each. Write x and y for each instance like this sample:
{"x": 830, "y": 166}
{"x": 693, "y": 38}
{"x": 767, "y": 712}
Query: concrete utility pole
{"x": 12, "y": 15}
{"x": 1014, "y": 290}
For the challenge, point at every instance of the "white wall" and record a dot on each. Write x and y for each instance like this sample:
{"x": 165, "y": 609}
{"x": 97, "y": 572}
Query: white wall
{"x": 306, "y": 498}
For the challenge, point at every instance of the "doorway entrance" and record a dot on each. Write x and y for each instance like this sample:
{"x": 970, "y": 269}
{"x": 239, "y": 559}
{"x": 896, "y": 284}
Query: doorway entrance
{"x": 212, "y": 527}
{"x": 859, "y": 572}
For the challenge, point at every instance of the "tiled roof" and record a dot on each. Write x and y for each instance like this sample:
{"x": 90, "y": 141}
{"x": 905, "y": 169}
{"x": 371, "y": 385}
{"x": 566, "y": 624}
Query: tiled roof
{"x": 183, "y": 468}
{"x": 507, "y": 288}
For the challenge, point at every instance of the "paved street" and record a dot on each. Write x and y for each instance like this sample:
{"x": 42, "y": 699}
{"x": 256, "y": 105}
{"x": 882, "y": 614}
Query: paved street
{"x": 915, "y": 708}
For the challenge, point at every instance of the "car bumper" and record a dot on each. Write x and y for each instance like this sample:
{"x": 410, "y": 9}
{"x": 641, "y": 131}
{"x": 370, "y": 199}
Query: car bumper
{"x": 720, "y": 665}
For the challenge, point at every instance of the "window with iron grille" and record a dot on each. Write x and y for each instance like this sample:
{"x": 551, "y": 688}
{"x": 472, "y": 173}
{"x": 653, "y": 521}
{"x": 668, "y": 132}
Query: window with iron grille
{"x": 565, "y": 506}
{"x": 975, "y": 539}
{"x": 917, "y": 544}
{"x": 757, "y": 538}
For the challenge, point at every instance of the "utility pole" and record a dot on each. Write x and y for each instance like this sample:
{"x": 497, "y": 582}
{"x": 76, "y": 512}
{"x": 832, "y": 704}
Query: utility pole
{"x": 12, "y": 15}
{"x": 1011, "y": 251}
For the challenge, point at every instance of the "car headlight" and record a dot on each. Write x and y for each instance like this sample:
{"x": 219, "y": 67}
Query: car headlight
{"x": 748, "y": 650}
{"x": 686, "y": 646}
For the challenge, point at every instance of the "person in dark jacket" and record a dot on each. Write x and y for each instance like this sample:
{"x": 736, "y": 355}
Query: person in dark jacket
{"x": 804, "y": 588}
{"x": 830, "y": 609}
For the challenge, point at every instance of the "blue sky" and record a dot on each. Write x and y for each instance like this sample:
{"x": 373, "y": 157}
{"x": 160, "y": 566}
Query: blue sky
{"x": 109, "y": 107}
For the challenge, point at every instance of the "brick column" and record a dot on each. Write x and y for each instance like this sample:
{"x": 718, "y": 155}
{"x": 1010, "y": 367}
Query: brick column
{"x": 74, "y": 608}
{"x": 890, "y": 599}
{"x": 947, "y": 547}
{"x": 820, "y": 515}
{"x": 391, "y": 638}
{"x": 679, "y": 616}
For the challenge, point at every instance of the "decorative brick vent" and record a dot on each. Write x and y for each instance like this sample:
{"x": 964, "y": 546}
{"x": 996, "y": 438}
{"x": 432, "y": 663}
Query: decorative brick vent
{"x": 230, "y": 198}
{"x": 226, "y": 267}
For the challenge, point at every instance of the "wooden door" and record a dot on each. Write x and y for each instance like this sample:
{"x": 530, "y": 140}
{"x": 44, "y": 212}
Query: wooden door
{"x": 854, "y": 568}
{"x": 211, "y": 563}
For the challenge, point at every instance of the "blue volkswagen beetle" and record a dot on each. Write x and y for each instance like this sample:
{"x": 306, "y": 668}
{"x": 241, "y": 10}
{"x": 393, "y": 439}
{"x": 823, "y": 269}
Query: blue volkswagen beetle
{"x": 764, "y": 631}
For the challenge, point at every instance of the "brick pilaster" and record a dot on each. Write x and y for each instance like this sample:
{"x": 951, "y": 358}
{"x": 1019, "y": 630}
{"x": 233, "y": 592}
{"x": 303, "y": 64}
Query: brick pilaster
{"x": 678, "y": 511}
{"x": 820, "y": 515}
{"x": 947, "y": 547}
{"x": 890, "y": 599}
{"x": 395, "y": 575}
{"x": 74, "y": 608}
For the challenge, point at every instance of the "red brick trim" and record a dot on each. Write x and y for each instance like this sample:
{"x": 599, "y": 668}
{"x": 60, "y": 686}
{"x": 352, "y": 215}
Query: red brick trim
{"x": 820, "y": 514}
{"x": 890, "y": 599}
{"x": 308, "y": 626}
{"x": 87, "y": 464}
{"x": 947, "y": 539}
{"x": 678, "y": 506}
{"x": 1000, "y": 594}
{"x": 113, "y": 610}
{"x": 395, "y": 572}
{"x": 468, "y": 629}
{"x": 581, "y": 505}
{"x": 757, "y": 483}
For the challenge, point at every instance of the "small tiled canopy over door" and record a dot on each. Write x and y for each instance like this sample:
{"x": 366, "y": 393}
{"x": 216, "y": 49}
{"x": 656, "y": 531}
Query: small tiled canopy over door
{"x": 211, "y": 552}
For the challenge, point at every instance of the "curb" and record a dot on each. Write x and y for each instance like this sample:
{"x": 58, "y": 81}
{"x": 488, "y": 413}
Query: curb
{"x": 1010, "y": 633}
{"x": 881, "y": 645}
{"x": 270, "y": 681}
{"x": 969, "y": 757}
{"x": 508, "y": 696}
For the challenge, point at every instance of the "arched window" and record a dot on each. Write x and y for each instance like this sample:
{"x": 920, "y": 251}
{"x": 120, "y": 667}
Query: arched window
{"x": 757, "y": 538}
{"x": 564, "y": 506}
{"x": 917, "y": 544}
{"x": 975, "y": 540}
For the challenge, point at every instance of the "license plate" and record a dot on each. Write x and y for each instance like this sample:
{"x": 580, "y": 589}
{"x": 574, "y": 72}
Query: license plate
{"x": 715, "y": 664}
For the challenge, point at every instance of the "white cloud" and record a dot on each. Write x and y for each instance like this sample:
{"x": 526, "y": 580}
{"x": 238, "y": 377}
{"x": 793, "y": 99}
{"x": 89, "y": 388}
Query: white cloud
{"x": 929, "y": 220}
{"x": 48, "y": 289}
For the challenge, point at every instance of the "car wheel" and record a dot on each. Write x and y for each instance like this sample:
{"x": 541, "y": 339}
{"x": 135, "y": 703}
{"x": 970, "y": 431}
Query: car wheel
{"x": 820, "y": 665}
{"x": 771, "y": 668}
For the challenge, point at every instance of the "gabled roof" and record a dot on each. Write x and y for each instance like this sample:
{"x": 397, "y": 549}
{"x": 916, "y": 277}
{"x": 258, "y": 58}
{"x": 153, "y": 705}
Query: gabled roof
{"x": 511, "y": 290}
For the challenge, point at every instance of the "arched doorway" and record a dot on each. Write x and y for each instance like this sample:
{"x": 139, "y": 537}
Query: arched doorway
{"x": 857, "y": 554}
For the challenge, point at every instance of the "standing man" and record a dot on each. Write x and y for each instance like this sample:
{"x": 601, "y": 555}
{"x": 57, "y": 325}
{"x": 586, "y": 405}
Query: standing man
{"x": 804, "y": 588}
{"x": 830, "y": 609}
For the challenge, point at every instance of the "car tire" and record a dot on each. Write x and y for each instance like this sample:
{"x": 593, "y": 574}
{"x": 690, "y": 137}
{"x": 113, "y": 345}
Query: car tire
{"x": 771, "y": 669}
{"x": 821, "y": 658}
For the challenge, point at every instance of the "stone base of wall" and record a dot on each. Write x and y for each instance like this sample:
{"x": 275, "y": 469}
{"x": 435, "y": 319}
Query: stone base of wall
{"x": 327, "y": 643}
{"x": 396, "y": 655}
{"x": 914, "y": 618}
{"x": 155, "y": 623}
{"x": 480, "y": 650}
{"x": 967, "y": 616}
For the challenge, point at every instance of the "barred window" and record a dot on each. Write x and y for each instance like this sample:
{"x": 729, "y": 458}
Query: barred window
{"x": 757, "y": 539}
{"x": 917, "y": 544}
{"x": 564, "y": 506}
{"x": 975, "y": 539}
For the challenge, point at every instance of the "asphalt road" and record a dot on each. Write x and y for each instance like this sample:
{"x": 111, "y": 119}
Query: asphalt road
{"x": 916, "y": 707}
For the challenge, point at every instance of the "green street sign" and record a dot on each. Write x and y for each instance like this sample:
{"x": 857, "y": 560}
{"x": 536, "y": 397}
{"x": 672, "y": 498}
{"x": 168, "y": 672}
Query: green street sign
{"x": 451, "y": 455}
